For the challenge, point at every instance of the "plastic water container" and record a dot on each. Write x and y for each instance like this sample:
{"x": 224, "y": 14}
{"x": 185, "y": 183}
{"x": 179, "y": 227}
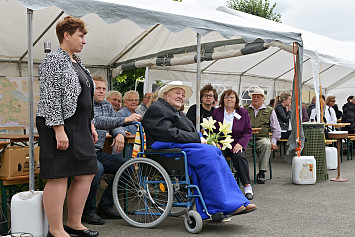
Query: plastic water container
{"x": 27, "y": 214}
{"x": 331, "y": 153}
{"x": 304, "y": 170}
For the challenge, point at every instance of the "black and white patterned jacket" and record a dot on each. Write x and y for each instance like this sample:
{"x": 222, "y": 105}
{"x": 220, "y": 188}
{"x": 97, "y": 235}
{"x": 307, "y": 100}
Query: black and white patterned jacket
{"x": 59, "y": 87}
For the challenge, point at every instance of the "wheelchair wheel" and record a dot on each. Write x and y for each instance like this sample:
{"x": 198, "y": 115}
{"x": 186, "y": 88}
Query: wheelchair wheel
{"x": 195, "y": 224}
{"x": 142, "y": 192}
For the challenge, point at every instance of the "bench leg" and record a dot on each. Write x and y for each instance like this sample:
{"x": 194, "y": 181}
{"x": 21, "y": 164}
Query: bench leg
{"x": 4, "y": 206}
{"x": 270, "y": 168}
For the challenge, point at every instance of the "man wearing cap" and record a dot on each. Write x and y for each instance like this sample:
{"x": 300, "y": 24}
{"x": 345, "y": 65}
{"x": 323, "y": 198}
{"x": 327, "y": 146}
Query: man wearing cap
{"x": 167, "y": 127}
{"x": 264, "y": 117}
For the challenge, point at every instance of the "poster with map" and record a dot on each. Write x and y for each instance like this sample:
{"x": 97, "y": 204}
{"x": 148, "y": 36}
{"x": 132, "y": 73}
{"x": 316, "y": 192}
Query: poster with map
{"x": 14, "y": 101}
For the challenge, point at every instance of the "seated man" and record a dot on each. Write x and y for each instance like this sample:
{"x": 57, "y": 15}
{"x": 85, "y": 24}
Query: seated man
{"x": 115, "y": 98}
{"x": 167, "y": 127}
{"x": 208, "y": 96}
{"x": 105, "y": 119}
{"x": 264, "y": 117}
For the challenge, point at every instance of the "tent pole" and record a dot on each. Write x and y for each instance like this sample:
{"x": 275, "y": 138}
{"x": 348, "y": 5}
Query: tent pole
{"x": 30, "y": 96}
{"x": 240, "y": 86}
{"x": 36, "y": 41}
{"x": 198, "y": 81}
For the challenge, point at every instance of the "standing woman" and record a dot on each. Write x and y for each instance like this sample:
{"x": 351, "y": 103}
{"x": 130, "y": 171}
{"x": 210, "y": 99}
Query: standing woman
{"x": 283, "y": 113}
{"x": 67, "y": 134}
{"x": 230, "y": 113}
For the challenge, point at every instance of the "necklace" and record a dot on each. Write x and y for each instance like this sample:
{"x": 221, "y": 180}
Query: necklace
{"x": 84, "y": 73}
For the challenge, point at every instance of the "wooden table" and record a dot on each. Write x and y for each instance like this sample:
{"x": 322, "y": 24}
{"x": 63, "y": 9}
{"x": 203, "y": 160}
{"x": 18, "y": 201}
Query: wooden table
{"x": 338, "y": 136}
{"x": 17, "y": 138}
{"x": 337, "y": 125}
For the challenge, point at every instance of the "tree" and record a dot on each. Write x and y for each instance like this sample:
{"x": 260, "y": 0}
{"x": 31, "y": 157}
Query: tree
{"x": 126, "y": 80}
{"x": 260, "y": 8}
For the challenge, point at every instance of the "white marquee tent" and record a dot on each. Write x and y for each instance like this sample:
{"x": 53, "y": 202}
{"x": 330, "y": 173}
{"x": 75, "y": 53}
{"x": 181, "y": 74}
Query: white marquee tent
{"x": 118, "y": 30}
{"x": 128, "y": 34}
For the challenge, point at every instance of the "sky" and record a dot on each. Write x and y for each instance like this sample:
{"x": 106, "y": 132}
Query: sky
{"x": 334, "y": 19}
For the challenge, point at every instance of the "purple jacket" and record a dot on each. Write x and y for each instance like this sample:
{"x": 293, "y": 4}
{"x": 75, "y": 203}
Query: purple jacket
{"x": 241, "y": 131}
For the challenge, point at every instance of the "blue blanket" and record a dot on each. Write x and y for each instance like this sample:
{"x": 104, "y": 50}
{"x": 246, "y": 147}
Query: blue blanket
{"x": 211, "y": 173}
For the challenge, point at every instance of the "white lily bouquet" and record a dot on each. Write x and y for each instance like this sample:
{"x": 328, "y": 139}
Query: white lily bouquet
{"x": 221, "y": 137}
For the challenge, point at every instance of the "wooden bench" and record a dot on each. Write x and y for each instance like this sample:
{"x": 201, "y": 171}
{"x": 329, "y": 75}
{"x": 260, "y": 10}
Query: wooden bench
{"x": 3, "y": 144}
{"x": 283, "y": 143}
{"x": 350, "y": 143}
{"x": 330, "y": 141}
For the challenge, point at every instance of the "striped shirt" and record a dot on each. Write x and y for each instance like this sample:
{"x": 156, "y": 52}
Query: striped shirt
{"x": 106, "y": 119}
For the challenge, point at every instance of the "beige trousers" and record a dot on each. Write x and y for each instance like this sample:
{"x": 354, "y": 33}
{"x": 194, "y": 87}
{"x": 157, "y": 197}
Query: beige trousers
{"x": 263, "y": 148}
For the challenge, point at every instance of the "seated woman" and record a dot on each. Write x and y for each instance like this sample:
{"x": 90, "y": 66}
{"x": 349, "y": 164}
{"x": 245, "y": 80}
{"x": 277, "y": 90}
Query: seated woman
{"x": 283, "y": 113}
{"x": 167, "y": 127}
{"x": 230, "y": 112}
{"x": 329, "y": 113}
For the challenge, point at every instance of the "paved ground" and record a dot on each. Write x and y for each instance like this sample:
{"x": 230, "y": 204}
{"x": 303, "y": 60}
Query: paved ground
{"x": 284, "y": 209}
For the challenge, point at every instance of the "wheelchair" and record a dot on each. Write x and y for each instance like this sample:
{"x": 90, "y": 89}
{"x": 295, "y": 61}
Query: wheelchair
{"x": 151, "y": 187}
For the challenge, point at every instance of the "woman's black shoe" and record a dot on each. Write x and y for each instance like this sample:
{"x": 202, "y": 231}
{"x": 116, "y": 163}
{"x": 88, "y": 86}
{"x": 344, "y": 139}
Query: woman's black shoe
{"x": 81, "y": 233}
{"x": 49, "y": 234}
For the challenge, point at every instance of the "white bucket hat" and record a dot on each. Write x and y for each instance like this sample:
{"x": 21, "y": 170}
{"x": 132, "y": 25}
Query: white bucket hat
{"x": 258, "y": 91}
{"x": 175, "y": 84}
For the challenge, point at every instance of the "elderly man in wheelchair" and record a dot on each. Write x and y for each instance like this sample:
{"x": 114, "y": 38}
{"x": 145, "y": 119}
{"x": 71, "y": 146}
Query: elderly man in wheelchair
{"x": 157, "y": 189}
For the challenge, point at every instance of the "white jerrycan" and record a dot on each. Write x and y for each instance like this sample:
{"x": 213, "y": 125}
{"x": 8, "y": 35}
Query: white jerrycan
{"x": 304, "y": 170}
{"x": 27, "y": 214}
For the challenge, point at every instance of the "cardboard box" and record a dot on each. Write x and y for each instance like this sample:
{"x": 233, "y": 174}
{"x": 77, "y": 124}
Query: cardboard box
{"x": 15, "y": 161}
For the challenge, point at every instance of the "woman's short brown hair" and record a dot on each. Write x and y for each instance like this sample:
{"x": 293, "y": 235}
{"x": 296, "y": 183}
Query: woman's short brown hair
{"x": 329, "y": 99}
{"x": 226, "y": 93}
{"x": 69, "y": 24}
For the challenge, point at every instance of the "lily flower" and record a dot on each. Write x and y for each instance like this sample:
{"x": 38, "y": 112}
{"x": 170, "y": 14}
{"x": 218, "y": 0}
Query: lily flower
{"x": 227, "y": 142}
{"x": 208, "y": 124}
{"x": 224, "y": 128}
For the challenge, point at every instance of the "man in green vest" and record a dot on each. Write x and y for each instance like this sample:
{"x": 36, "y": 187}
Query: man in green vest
{"x": 264, "y": 117}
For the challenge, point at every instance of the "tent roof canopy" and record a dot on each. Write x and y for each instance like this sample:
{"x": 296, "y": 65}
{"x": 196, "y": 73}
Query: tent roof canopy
{"x": 144, "y": 27}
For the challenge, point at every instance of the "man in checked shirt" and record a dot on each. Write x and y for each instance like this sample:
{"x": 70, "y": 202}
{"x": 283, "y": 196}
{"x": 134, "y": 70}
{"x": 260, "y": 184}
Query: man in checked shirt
{"x": 105, "y": 119}
{"x": 264, "y": 117}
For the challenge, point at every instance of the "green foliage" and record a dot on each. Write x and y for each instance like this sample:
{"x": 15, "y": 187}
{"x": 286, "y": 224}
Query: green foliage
{"x": 260, "y": 8}
{"x": 127, "y": 79}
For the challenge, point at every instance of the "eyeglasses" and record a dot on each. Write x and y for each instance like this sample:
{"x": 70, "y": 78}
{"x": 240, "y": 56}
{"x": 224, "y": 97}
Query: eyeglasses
{"x": 208, "y": 96}
{"x": 229, "y": 97}
{"x": 132, "y": 100}
{"x": 332, "y": 101}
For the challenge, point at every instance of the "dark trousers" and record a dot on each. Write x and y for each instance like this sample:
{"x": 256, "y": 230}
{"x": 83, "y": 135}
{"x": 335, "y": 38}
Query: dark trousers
{"x": 106, "y": 164}
{"x": 240, "y": 163}
{"x": 285, "y": 135}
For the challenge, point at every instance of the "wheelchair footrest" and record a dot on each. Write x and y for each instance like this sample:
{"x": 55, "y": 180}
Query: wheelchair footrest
{"x": 218, "y": 217}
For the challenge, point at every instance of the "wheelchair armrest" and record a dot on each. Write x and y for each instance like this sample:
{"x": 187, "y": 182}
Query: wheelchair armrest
{"x": 172, "y": 150}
